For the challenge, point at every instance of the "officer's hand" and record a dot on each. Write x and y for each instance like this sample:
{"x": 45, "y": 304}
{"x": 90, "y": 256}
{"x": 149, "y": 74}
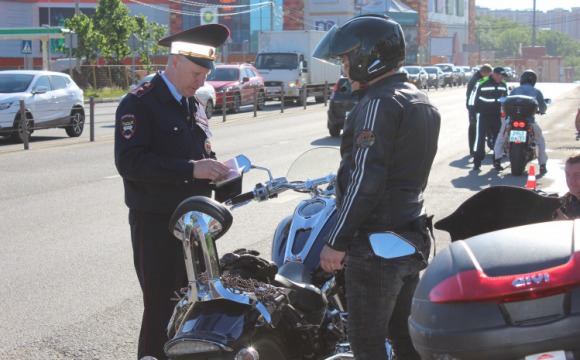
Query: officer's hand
{"x": 330, "y": 259}
{"x": 209, "y": 169}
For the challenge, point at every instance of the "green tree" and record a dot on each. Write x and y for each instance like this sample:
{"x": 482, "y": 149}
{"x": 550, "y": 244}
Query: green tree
{"x": 149, "y": 34}
{"x": 510, "y": 40}
{"x": 89, "y": 40}
{"x": 113, "y": 22}
{"x": 558, "y": 43}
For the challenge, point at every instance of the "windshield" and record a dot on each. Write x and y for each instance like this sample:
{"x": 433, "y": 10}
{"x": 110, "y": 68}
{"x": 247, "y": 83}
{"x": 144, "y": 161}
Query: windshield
{"x": 314, "y": 163}
{"x": 412, "y": 70}
{"x": 431, "y": 70}
{"x": 14, "y": 83}
{"x": 445, "y": 68}
{"x": 224, "y": 74}
{"x": 276, "y": 61}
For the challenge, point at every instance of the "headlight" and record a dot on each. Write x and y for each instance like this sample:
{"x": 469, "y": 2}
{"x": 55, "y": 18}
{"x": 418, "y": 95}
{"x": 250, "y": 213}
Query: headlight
{"x": 291, "y": 84}
{"x": 187, "y": 347}
{"x": 6, "y": 105}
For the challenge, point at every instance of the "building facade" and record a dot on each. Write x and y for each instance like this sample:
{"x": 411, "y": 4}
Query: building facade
{"x": 435, "y": 30}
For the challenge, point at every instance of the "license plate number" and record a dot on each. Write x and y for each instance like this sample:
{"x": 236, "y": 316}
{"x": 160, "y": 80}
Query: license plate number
{"x": 551, "y": 355}
{"x": 517, "y": 136}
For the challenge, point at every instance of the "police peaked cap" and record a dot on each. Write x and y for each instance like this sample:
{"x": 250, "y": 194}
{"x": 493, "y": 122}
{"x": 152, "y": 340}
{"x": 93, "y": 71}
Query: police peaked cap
{"x": 198, "y": 44}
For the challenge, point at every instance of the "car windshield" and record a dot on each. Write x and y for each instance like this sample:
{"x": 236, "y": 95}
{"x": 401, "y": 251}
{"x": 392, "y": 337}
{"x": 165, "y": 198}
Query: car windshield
{"x": 412, "y": 70}
{"x": 276, "y": 61}
{"x": 445, "y": 67}
{"x": 224, "y": 74}
{"x": 14, "y": 83}
{"x": 431, "y": 70}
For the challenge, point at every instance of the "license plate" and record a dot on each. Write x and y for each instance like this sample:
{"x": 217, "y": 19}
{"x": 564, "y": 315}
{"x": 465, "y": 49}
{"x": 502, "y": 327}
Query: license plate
{"x": 518, "y": 136}
{"x": 551, "y": 355}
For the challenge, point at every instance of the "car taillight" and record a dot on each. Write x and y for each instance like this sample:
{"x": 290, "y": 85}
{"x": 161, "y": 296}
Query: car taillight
{"x": 475, "y": 286}
{"x": 519, "y": 124}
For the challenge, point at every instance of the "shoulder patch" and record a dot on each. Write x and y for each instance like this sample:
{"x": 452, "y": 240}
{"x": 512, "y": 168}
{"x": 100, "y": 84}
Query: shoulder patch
{"x": 365, "y": 139}
{"x": 128, "y": 126}
{"x": 143, "y": 89}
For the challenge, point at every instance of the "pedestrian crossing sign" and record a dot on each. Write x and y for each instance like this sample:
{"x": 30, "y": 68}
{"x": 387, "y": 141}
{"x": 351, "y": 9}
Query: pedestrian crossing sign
{"x": 27, "y": 46}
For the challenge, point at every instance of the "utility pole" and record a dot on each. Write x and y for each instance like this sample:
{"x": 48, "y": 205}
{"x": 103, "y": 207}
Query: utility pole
{"x": 534, "y": 25}
{"x": 77, "y": 10}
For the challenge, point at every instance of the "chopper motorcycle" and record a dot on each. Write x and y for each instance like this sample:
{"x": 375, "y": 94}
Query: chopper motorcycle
{"x": 296, "y": 312}
{"x": 521, "y": 146}
{"x": 508, "y": 285}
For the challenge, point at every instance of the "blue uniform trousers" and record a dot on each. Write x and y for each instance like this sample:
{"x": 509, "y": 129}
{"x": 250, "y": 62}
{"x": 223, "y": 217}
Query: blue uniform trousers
{"x": 158, "y": 259}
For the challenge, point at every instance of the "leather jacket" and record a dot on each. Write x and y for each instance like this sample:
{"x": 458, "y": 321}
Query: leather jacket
{"x": 388, "y": 145}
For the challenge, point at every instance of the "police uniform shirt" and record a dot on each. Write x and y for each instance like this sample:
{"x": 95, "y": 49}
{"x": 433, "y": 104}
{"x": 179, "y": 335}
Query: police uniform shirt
{"x": 154, "y": 146}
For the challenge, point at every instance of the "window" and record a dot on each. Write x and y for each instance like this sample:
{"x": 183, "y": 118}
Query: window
{"x": 460, "y": 7}
{"x": 58, "y": 82}
{"x": 43, "y": 81}
{"x": 451, "y": 7}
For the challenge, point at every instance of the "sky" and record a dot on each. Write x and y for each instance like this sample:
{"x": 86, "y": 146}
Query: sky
{"x": 541, "y": 5}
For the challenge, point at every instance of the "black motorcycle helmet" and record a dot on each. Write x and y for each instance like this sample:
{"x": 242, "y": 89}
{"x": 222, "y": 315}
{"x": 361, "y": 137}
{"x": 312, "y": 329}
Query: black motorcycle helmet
{"x": 528, "y": 77}
{"x": 374, "y": 44}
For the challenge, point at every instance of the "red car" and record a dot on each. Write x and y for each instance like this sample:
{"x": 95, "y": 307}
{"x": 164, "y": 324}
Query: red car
{"x": 237, "y": 82}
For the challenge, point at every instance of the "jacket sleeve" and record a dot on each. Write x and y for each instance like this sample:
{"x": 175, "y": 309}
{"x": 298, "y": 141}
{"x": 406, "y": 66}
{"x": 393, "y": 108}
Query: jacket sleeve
{"x": 542, "y": 107}
{"x": 472, "y": 100}
{"x": 137, "y": 147}
{"x": 373, "y": 147}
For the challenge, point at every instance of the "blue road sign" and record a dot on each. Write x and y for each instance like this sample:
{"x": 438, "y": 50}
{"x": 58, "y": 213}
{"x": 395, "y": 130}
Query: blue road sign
{"x": 27, "y": 46}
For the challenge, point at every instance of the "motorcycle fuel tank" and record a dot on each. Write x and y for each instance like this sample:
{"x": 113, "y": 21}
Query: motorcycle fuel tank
{"x": 503, "y": 295}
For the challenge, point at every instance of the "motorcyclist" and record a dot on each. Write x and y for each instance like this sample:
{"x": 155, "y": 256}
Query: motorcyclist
{"x": 527, "y": 87}
{"x": 388, "y": 146}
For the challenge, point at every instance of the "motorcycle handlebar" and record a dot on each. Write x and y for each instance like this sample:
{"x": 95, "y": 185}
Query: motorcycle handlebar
{"x": 241, "y": 198}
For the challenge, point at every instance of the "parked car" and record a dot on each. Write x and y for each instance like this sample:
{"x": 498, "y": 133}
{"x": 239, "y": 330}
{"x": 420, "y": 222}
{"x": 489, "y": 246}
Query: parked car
{"x": 205, "y": 94}
{"x": 436, "y": 77}
{"x": 511, "y": 74}
{"x": 417, "y": 76}
{"x": 447, "y": 69}
{"x": 51, "y": 99}
{"x": 340, "y": 104}
{"x": 468, "y": 72}
{"x": 460, "y": 78}
{"x": 237, "y": 83}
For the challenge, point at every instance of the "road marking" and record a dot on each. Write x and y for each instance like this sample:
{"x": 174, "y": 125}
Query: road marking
{"x": 112, "y": 177}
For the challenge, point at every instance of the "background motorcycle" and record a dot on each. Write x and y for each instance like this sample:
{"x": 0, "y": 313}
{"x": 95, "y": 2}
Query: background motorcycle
{"x": 522, "y": 145}
{"x": 227, "y": 317}
{"x": 510, "y": 290}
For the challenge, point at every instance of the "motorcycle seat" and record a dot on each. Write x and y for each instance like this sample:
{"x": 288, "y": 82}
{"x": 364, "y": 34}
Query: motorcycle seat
{"x": 308, "y": 297}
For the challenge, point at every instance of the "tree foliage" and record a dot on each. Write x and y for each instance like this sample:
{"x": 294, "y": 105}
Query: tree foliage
{"x": 107, "y": 34}
{"x": 505, "y": 38}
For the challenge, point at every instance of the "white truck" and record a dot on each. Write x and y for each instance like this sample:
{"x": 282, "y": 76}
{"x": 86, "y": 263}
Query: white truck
{"x": 285, "y": 62}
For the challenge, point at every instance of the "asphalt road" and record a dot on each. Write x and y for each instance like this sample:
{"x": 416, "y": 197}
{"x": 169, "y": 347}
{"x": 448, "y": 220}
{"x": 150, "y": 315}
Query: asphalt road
{"x": 68, "y": 286}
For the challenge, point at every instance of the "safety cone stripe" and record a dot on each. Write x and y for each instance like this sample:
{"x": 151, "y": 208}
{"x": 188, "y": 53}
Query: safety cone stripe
{"x": 531, "y": 183}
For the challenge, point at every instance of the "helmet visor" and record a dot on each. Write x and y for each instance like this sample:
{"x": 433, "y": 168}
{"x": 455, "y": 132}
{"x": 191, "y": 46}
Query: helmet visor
{"x": 322, "y": 51}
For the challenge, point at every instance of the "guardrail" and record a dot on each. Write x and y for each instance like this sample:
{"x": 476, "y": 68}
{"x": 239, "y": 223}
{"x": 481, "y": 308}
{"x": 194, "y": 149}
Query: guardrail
{"x": 317, "y": 92}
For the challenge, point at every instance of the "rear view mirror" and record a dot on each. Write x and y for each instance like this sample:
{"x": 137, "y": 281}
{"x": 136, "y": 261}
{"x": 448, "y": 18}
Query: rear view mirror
{"x": 244, "y": 164}
{"x": 390, "y": 246}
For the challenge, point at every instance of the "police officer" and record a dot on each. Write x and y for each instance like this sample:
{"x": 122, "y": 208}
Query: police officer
{"x": 388, "y": 146}
{"x": 485, "y": 101}
{"x": 527, "y": 82}
{"x": 163, "y": 153}
{"x": 484, "y": 71}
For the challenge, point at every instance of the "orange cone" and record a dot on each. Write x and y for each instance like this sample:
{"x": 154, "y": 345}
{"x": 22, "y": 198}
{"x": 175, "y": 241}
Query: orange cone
{"x": 531, "y": 184}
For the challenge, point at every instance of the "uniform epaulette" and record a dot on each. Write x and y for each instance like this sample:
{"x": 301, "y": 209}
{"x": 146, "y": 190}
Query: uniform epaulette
{"x": 143, "y": 89}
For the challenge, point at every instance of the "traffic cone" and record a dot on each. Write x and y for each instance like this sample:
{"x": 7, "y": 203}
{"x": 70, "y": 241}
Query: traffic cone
{"x": 531, "y": 184}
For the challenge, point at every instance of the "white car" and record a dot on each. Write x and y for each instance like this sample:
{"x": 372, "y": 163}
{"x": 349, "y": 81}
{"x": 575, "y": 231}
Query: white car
{"x": 205, "y": 94}
{"x": 51, "y": 99}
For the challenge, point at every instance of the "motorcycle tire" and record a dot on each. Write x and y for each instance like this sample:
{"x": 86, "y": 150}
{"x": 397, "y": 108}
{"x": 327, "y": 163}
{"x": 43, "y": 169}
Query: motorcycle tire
{"x": 269, "y": 346}
{"x": 518, "y": 158}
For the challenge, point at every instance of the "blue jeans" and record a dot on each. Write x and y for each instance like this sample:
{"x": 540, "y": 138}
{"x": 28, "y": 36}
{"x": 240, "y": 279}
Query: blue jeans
{"x": 379, "y": 294}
